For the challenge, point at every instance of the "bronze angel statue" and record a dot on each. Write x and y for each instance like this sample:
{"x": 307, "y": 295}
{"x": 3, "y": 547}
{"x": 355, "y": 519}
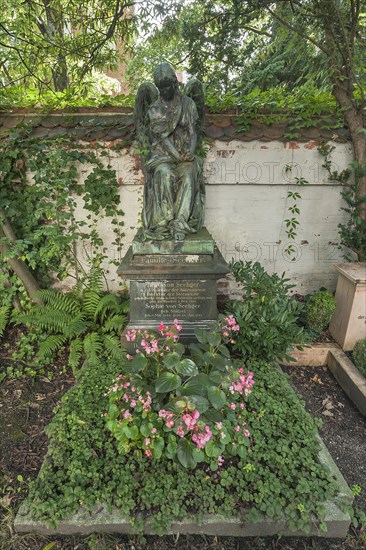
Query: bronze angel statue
{"x": 169, "y": 128}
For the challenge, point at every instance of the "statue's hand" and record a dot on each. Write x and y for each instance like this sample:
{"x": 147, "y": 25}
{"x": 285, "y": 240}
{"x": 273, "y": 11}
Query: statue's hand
{"x": 187, "y": 157}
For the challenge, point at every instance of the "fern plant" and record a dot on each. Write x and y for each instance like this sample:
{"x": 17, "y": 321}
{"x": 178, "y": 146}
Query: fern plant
{"x": 5, "y": 312}
{"x": 87, "y": 320}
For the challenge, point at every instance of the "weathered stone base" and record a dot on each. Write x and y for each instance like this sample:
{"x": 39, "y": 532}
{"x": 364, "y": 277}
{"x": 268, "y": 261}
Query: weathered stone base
{"x": 101, "y": 520}
{"x": 173, "y": 280}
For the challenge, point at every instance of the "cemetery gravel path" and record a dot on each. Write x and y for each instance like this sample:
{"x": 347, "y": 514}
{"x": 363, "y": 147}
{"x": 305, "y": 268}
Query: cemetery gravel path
{"x": 26, "y": 406}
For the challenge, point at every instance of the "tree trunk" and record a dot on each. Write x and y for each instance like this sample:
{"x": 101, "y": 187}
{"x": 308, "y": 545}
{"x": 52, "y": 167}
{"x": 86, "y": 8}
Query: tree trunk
{"x": 355, "y": 122}
{"x": 17, "y": 265}
{"x": 59, "y": 76}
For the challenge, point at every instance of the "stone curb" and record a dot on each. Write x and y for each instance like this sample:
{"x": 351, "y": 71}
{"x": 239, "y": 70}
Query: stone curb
{"x": 102, "y": 520}
{"x": 315, "y": 355}
{"x": 349, "y": 378}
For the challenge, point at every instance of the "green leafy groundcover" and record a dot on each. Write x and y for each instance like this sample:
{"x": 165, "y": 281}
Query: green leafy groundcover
{"x": 279, "y": 475}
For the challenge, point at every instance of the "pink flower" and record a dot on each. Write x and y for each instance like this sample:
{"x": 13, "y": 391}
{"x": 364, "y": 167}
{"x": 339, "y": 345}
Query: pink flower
{"x": 153, "y": 431}
{"x": 126, "y": 414}
{"x": 232, "y": 406}
{"x": 169, "y": 423}
{"x": 177, "y": 325}
{"x": 246, "y": 433}
{"x": 147, "y": 441}
{"x": 148, "y": 453}
{"x": 191, "y": 419}
{"x": 129, "y": 357}
{"x": 237, "y": 428}
{"x": 202, "y": 438}
{"x": 154, "y": 345}
{"x": 220, "y": 460}
{"x": 219, "y": 425}
{"x": 133, "y": 403}
{"x": 242, "y": 406}
{"x": 180, "y": 431}
{"x": 131, "y": 336}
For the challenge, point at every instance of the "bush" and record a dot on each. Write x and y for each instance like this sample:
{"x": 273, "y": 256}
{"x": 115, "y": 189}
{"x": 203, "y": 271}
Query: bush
{"x": 268, "y": 316}
{"x": 319, "y": 311}
{"x": 359, "y": 356}
{"x": 190, "y": 409}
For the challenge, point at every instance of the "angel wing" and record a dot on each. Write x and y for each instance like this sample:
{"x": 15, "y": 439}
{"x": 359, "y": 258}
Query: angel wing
{"x": 147, "y": 93}
{"x": 194, "y": 90}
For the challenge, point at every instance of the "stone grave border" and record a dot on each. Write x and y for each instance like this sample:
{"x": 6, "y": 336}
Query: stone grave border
{"x": 105, "y": 520}
{"x": 344, "y": 371}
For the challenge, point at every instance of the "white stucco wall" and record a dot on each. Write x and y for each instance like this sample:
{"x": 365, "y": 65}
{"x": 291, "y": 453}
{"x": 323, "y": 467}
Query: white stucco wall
{"x": 247, "y": 205}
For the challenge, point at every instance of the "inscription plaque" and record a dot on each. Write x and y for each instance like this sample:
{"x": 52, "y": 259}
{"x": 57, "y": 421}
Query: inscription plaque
{"x": 192, "y": 300}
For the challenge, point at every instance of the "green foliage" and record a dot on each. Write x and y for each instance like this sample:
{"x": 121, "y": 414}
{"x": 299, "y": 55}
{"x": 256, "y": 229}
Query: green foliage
{"x": 43, "y": 215}
{"x": 268, "y": 316}
{"x": 279, "y": 476}
{"x": 305, "y": 107}
{"x": 353, "y": 232}
{"x": 5, "y": 312}
{"x": 359, "y": 356}
{"x": 165, "y": 404}
{"x": 86, "y": 319}
{"x": 319, "y": 310}
{"x": 50, "y": 46}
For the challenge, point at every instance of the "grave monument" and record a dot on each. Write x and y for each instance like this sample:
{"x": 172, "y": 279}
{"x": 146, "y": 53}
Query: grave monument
{"x": 173, "y": 263}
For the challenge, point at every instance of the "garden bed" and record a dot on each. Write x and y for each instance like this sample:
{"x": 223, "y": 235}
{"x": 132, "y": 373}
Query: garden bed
{"x": 280, "y": 479}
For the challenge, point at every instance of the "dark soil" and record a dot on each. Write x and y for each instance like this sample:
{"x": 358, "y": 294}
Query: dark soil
{"x": 26, "y": 407}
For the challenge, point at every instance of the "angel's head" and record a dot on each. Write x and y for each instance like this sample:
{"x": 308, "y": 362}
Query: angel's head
{"x": 166, "y": 81}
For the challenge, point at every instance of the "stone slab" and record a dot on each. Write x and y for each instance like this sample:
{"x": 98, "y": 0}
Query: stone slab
{"x": 315, "y": 355}
{"x": 104, "y": 520}
{"x": 354, "y": 271}
{"x": 175, "y": 266}
{"x": 349, "y": 377}
{"x": 197, "y": 243}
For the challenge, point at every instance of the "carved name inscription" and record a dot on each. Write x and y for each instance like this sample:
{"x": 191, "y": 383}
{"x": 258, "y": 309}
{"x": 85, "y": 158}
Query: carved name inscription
{"x": 167, "y": 300}
{"x": 173, "y": 259}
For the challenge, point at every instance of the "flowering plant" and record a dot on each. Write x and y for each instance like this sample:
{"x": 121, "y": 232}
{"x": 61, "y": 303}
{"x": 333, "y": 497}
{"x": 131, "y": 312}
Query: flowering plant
{"x": 191, "y": 408}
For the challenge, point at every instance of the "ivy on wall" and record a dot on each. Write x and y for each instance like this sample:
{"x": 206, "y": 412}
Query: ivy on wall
{"x": 41, "y": 208}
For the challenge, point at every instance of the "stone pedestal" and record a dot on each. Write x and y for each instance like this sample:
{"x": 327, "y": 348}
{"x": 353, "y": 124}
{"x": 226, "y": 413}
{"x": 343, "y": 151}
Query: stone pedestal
{"x": 173, "y": 280}
{"x": 348, "y": 324}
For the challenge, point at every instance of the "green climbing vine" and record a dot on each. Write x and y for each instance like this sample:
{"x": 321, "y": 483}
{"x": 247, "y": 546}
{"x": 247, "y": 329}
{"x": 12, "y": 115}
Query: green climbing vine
{"x": 43, "y": 181}
{"x": 353, "y": 231}
{"x": 293, "y": 210}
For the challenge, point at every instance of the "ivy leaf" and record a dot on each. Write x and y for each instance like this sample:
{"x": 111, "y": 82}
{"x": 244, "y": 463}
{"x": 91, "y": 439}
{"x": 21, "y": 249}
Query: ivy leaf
{"x": 185, "y": 455}
{"x": 167, "y": 381}
{"x": 216, "y": 397}
{"x": 187, "y": 367}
